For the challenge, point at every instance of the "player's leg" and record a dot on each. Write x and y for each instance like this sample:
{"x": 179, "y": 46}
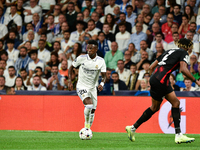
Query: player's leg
{"x": 93, "y": 93}
{"x": 179, "y": 137}
{"x": 87, "y": 111}
{"x": 144, "y": 117}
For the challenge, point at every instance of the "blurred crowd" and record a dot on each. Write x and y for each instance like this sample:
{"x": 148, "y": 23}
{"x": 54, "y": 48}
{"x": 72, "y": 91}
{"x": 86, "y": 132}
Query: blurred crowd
{"x": 39, "y": 39}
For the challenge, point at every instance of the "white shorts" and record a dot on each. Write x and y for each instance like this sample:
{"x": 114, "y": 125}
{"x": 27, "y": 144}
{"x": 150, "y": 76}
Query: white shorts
{"x": 84, "y": 93}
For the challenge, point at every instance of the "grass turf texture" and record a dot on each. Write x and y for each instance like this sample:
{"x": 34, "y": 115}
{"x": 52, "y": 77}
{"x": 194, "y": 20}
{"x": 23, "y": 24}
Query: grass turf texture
{"x": 100, "y": 141}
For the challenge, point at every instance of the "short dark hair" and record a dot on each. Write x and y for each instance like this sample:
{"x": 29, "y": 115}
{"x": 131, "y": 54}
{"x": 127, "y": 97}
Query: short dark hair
{"x": 33, "y": 52}
{"x": 4, "y": 53}
{"x": 57, "y": 42}
{"x": 115, "y": 73}
{"x": 71, "y": 3}
{"x": 129, "y": 6}
{"x": 22, "y": 70}
{"x": 175, "y": 33}
{"x": 11, "y": 67}
{"x": 122, "y": 24}
{"x": 93, "y": 42}
{"x": 10, "y": 41}
{"x": 2, "y": 77}
{"x": 23, "y": 48}
{"x": 179, "y": 6}
{"x": 38, "y": 68}
{"x": 100, "y": 33}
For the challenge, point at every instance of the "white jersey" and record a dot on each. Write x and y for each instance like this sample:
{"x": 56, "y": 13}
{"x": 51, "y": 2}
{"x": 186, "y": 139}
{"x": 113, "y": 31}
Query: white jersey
{"x": 89, "y": 70}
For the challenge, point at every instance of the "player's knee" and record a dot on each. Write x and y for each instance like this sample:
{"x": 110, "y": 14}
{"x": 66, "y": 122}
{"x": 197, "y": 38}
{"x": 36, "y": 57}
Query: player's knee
{"x": 89, "y": 106}
{"x": 87, "y": 101}
{"x": 155, "y": 108}
{"x": 176, "y": 104}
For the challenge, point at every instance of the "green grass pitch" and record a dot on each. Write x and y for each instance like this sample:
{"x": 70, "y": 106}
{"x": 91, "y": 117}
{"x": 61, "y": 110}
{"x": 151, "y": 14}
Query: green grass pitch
{"x": 100, "y": 141}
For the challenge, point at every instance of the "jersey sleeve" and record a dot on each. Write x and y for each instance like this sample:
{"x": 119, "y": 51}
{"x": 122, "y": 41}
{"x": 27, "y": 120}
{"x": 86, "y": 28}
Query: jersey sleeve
{"x": 184, "y": 56}
{"x": 77, "y": 62}
{"x": 103, "y": 68}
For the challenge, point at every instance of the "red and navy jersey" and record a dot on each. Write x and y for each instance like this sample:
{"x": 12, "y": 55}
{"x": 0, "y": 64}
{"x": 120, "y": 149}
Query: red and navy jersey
{"x": 168, "y": 62}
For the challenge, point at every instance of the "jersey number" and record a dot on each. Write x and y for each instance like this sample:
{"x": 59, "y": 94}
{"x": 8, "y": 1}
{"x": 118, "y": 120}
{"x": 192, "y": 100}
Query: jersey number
{"x": 162, "y": 62}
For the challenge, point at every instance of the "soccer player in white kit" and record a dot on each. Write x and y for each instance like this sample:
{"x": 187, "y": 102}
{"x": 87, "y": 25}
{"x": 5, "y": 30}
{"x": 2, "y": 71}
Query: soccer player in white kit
{"x": 90, "y": 66}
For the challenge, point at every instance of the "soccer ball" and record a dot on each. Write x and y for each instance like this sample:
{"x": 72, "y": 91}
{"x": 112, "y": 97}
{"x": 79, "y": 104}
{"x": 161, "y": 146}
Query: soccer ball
{"x": 85, "y": 134}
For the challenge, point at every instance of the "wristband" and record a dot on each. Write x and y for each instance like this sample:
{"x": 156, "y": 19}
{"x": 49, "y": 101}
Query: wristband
{"x": 102, "y": 84}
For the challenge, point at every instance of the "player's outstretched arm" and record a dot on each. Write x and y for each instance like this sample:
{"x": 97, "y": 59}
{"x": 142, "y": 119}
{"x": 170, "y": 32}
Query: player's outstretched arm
{"x": 186, "y": 72}
{"x": 100, "y": 87}
{"x": 152, "y": 66}
{"x": 70, "y": 85}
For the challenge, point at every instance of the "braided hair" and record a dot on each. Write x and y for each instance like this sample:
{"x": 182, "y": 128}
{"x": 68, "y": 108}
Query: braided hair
{"x": 184, "y": 43}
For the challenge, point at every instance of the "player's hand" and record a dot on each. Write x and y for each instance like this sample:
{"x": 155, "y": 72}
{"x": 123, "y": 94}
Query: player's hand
{"x": 70, "y": 86}
{"x": 198, "y": 82}
{"x": 100, "y": 88}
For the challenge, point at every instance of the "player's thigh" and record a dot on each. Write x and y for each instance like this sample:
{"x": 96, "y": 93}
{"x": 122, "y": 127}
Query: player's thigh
{"x": 83, "y": 94}
{"x": 171, "y": 97}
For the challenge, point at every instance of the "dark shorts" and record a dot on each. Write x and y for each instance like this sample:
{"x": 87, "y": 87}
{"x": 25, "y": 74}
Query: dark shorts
{"x": 158, "y": 90}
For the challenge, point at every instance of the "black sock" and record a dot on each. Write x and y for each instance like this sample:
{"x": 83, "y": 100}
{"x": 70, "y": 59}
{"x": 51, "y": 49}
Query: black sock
{"x": 176, "y": 119}
{"x": 145, "y": 116}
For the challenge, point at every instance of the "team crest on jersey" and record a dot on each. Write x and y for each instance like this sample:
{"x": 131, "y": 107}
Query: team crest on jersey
{"x": 96, "y": 66}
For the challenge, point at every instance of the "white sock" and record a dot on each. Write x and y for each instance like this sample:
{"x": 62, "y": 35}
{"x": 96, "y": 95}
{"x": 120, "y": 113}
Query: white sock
{"x": 91, "y": 119}
{"x": 87, "y": 114}
{"x": 178, "y": 134}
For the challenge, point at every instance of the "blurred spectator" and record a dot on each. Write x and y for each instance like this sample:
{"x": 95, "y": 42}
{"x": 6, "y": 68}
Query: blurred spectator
{"x": 60, "y": 36}
{"x": 122, "y": 72}
{"x": 188, "y": 84}
{"x": 54, "y": 83}
{"x": 20, "y": 9}
{"x": 43, "y": 53}
{"x": 2, "y": 83}
{"x": 130, "y": 16}
{"x": 61, "y": 20}
{"x": 29, "y": 26}
{"x": 122, "y": 18}
{"x": 137, "y": 37}
{"x": 88, "y": 6}
{"x": 145, "y": 69}
{"x": 132, "y": 79}
{"x": 79, "y": 17}
{"x": 39, "y": 73}
{"x": 10, "y": 91}
{"x": 192, "y": 4}
{"x": 172, "y": 82}
{"x": 109, "y": 9}
{"x": 117, "y": 83}
{"x": 155, "y": 19}
{"x": 138, "y": 5}
{"x": 48, "y": 44}
{"x": 86, "y": 15}
{"x": 134, "y": 53}
{"x": 92, "y": 30}
{"x": 71, "y": 14}
{"x": 190, "y": 36}
{"x": 193, "y": 27}
{"x": 64, "y": 68}
{"x": 36, "y": 85}
{"x": 171, "y": 4}
{"x": 3, "y": 31}
{"x": 24, "y": 76}
{"x": 12, "y": 35}
{"x": 13, "y": 18}
{"x": 104, "y": 45}
{"x": 108, "y": 86}
{"x": 146, "y": 12}
{"x": 64, "y": 5}
{"x": 3, "y": 66}
{"x": 10, "y": 80}
{"x": 19, "y": 85}
{"x": 155, "y": 8}
{"x": 127, "y": 59}
{"x": 166, "y": 27}
{"x": 109, "y": 36}
{"x": 36, "y": 62}
{"x": 50, "y": 23}
{"x": 12, "y": 52}
{"x": 159, "y": 51}
{"x": 193, "y": 65}
{"x": 66, "y": 44}
{"x": 144, "y": 85}
{"x": 30, "y": 10}
{"x": 28, "y": 46}
{"x": 140, "y": 19}
{"x": 177, "y": 14}
{"x": 84, "y": 40}
{"x": 23, "y": 61}
{"x": 57, "y": 47}
{"x": 95, "y": 17}
{"x": 188, "y": 11}
{"x": 8, "y": 61}
{"x": 159, "y": 39}
{"x": 2, "y": 18}
{"x": 47, "y": 6}
{"x": 109, "y": 19}
{"x": 122, "y": 37}
{"x": 76, "y": 35}
{"x": 116, "y": 13}
{"x": 152, "y": 33}
{"x": 36, "y": 22}
{"x": 74, "y": 80}
{"x": 113, "y": 56}
{"x": 174, "y": 29}
{"x": 185, "y": 26}
{"x": 1, "y": 45}
{"x": 1, "y": 71}
{"x": 144, "y": 47}
{"x": 163, "y": 16}
{"x": 56, "y": 13}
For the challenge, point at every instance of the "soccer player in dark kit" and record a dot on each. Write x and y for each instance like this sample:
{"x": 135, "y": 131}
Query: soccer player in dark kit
{"x": 169, "y": 61}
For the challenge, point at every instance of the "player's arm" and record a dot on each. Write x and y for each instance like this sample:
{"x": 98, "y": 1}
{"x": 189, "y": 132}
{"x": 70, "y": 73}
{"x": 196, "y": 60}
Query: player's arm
{"x": 186, "y": 72}
{"x": 152, "y": 66}
{"x": 70, "y": 85}
{"x": 100, "y": 87}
